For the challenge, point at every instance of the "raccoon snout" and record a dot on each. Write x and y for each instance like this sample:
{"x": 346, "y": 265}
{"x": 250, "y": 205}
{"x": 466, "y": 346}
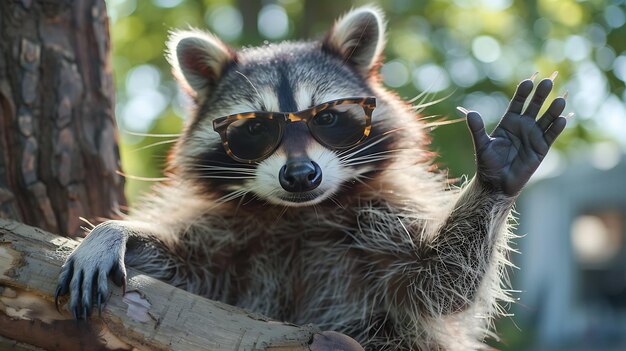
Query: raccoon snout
{"x": 300, "y": 176}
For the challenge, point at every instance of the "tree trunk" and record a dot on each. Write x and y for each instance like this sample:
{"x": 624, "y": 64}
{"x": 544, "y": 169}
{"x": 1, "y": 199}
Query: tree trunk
{"x": 150, "y": 316}
{"x": 58, "y": 145}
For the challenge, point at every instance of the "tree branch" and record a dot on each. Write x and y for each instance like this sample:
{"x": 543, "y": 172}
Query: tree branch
{"x": 151, "y": 316}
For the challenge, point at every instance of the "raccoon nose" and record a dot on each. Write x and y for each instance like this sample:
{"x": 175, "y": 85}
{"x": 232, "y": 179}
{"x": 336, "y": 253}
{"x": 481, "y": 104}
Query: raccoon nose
{"x": 299, "y": 176}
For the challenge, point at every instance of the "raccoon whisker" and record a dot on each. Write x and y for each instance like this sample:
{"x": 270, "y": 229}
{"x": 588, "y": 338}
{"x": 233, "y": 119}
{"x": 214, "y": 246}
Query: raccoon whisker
{"x": 374, "y": 154}
{"x": 422, "y": 105}
{"x": 424, "y": 118}
{"x": 263, "y": 195}
{"x": 387, "y": 169}
{"x": 226, "y": 173}
{"x": 364, "y": 173}
{"x": 370, "y": 142}
{"x": 199, "y": 166}
{"x": 380, "y": 152}
{"x": 335, "y": 201}
{"x": 205, "y": 174}
{"x": 240, "y": 202}
{"x": 219, "y": 169}
{"x": 163, "y": 142}
{"x": 425, "y": 97}
{"x": 238, "y": 192}
{"x": 421, "y": 118}
{"x": 225, "y": 166}
{"x": 224, "y": 170}
{"x": 351, "y": 164}
{"x": 367, "y": 146}
{"x": 211, "y": 163}
{"x": 150, "y": 134}
{"x": 428, "y": 95}
{"x": 222, "y": 177}
{"x": 225, "y": 199}
{"x": 281, "y": 213}
{"x": 145, "y": 179}
{"x": 418, "y": 96}
{"x": 367, "y": 159}
{"x": 357, "y": 178}
{"x": 387, "y": 153}
{"x": 252, "y": 198}
{"x": 317, "y": 215}
{"x": 364, "y": 162}
{"x": 367, "y": 142}
{"x": 252, "y": 85}
{"x": 360, "y": 179}
{"x": 231, "y": 196}
{"x": 364, "y": 157}
{"x": 395, "y": 130}
{"x": 443, "y": 122}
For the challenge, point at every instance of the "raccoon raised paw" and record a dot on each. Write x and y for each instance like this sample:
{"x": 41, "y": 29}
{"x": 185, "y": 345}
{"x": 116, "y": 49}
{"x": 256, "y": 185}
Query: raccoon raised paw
{"x": 508, "y": 157}
{"x": 85, "y": 273}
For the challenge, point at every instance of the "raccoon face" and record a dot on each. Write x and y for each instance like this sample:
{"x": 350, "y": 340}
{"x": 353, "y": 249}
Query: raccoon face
{"x": 264, "y": 125}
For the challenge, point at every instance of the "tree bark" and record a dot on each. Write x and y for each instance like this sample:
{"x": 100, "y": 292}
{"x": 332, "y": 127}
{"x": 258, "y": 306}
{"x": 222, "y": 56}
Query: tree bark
{"x": 150, "y": 316}
{"x": 59, "y": 155}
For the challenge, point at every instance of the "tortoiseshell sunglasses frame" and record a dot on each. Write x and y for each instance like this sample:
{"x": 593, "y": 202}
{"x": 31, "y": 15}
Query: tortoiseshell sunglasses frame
{"x": 220, "y": 124}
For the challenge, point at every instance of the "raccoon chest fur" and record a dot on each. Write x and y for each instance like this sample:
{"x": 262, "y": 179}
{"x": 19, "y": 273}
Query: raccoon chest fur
{"x": 298, "y": 277}
{"x": 301, "y": 270}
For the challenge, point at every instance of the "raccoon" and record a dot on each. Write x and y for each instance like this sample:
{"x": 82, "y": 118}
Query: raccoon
{"x": 303, "y": 190}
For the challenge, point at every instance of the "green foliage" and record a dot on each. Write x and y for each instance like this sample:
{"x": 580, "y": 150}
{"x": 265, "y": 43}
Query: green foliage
{"x": 473, "y": 50}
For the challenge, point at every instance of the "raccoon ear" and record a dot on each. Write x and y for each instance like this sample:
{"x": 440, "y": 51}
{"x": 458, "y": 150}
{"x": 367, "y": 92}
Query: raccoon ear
{"x": 358, "y": 38}
{"x": 198, "y": 60}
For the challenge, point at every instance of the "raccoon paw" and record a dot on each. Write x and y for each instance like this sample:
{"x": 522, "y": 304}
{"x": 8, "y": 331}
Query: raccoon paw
{"x": 508, "y": 157}
{"x": 85, "y": 273}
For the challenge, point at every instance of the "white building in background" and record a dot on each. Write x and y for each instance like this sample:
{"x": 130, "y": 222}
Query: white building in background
{"x": 573, "y": 261}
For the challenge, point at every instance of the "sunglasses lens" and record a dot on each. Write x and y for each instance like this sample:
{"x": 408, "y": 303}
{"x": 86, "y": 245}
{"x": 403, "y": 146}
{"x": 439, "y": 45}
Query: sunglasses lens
{"x": 253, "y": 138}
{"x": 340, "y": 126}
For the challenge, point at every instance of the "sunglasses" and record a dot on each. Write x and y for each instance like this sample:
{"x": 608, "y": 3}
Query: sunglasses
{"x": 338, "y": 124}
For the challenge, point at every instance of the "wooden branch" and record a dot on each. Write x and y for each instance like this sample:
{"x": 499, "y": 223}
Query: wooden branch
{"x": 151, "y": 316}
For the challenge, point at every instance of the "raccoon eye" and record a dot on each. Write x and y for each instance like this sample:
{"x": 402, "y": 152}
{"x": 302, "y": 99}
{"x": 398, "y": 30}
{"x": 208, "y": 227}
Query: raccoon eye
{"x": 253, "y": 138}
{"x": 256, "y": 127}
{"x": 325, "y": 118}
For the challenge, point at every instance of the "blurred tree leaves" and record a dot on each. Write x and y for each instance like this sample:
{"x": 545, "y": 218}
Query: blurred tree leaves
{"x": 474, "y": 50}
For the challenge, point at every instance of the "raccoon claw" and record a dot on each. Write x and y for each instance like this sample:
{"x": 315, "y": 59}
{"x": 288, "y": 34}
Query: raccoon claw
{"x": 83, "y": 287}
{"x": 92, "y": 285}
{"x": 65, "y": 277}
{"x": 82, "y": 290}
{"x": 118, "y": 274}
{"x": 57, "y": 294}
{"x": 99, "y": 304}
{"x": 85, "y": 274}
{"x": 75, "y": 314}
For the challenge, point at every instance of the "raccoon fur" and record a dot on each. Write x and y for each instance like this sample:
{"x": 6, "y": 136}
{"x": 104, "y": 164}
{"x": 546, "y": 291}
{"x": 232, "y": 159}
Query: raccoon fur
{"x": 383, "y": 249}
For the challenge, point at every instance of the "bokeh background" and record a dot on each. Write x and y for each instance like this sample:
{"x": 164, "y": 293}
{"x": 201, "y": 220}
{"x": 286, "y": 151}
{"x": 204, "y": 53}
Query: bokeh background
{"x": 572, "y": 279}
